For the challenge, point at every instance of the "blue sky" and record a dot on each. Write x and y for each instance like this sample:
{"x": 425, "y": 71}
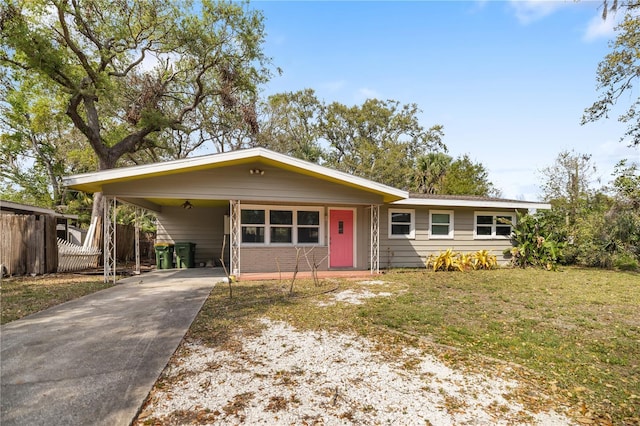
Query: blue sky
{"x": 507, "y": 80}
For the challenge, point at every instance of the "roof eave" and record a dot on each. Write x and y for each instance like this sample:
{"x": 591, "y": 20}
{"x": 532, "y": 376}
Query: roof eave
{"x": 88, "y": 183}
{"x": 448, "y": 202}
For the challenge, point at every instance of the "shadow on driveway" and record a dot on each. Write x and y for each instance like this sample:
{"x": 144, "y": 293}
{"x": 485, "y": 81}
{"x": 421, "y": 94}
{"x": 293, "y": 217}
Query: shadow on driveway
{"x": 93, "y": 360}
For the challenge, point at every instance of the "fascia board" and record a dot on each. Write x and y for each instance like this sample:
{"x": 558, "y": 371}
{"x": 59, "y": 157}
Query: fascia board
{"x": 447, "y": 202}
{"x": 92, "y": 182}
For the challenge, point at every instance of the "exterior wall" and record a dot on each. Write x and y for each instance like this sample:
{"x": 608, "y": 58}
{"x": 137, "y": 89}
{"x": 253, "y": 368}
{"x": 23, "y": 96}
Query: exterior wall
{"x": 236, "y": 183}
{"x": 267, "y": 258}
{"x": 202, "y": 226}
{"x": 205, "y": 228}
{"x": 402, "y": 252}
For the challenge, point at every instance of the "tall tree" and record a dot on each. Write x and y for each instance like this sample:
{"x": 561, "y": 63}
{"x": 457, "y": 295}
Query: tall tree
{"x": 430, "y": 172}
{"x": 130, "y": 72}
{"x": 439, "y": 173}
{"x": 567, "y": 183}
{"x": 38, "y": 145}
{"x": 290, "y": 124}
{"x": 378, "y": 140}
{"x": 619, "y": 71}
{"x": 464, "y": 177}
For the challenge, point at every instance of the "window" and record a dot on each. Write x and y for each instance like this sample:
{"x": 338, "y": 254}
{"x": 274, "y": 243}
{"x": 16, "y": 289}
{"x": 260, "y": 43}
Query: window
{"x": 281, "y": 225}
{"x": 308, "y": 227}
{"x": 493, "y": 225}
{"x": 253, "y": 225}
{"x": 401, "y": 223}
{"x": 441, "y": 224}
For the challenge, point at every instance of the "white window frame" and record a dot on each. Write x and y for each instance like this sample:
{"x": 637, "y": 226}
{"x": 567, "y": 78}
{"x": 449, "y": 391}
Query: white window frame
{"x": 412, "y": 224}
{"x": 450, "y": 235}
{"x": 493, "y": 235}
{"x": 294, "y": 226}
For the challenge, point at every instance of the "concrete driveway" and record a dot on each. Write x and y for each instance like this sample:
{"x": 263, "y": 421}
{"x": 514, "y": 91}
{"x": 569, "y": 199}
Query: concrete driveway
{"x": 93, "y": 360}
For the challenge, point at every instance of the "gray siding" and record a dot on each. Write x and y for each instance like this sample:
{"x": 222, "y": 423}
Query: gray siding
{"x": 202, "y": 226}
{"x": 236, "y": 183}
{"x": 205, "y": 227}
{"x": 413, "y": 252}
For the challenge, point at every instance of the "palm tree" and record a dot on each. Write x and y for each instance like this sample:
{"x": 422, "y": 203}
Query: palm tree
{"x": 430, "y": 172}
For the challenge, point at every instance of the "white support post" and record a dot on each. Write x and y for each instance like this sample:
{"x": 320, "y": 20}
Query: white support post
{"x": 109, "y": 236}
{"x": 375, "y": 239}
{"x": 137, "y": 213}
{"x": 235, "y": 237}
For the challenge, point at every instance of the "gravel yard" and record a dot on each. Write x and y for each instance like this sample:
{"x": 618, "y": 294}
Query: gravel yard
{"x": 283, "y": 376}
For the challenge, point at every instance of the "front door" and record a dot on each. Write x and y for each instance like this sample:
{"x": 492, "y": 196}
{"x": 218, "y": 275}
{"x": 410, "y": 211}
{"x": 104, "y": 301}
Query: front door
{"x": 341, "y": 239}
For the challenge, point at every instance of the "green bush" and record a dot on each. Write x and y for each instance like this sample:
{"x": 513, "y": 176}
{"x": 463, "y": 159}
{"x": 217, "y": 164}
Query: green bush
{"x": 533, "y": 244}
{"x": 626, "y": 262}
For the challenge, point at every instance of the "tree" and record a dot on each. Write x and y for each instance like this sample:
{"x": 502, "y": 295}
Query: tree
{"x": 132, "y": 73}
{"x": 619, "y": 71}
{"x": 290, "y": 124}
{"x": 464, "y": 177}
{"x": 430, "y": 172}
{"x": 378, "y": 140}
{"x": 568, "y": 182}
{"x": 38, "y": 145}
{"x": 439, "y": 173}
{"x": 600, "y": 230}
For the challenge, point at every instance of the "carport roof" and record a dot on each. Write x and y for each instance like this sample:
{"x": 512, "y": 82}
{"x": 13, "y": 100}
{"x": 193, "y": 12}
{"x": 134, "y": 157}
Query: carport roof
{"x": 93, "y": 182}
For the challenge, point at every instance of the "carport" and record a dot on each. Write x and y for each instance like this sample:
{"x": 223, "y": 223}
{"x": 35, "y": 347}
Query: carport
{"x": 263, "y": 207}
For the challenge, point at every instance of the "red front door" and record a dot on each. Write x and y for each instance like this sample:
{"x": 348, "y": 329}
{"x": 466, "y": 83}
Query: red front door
{"x": 341, "y": 238}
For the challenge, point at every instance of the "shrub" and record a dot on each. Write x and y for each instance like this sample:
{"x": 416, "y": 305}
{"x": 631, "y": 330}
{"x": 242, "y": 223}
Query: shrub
{"x": 446, "y": 261}
{"x": 483, "y": 259}
{"x": 533, "y": 245}
{"x": 626, "y": 262}
{"x": 453, "y": 261}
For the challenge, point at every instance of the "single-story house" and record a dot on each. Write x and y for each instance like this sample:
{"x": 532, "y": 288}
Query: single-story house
{"x": 266, "y": 208}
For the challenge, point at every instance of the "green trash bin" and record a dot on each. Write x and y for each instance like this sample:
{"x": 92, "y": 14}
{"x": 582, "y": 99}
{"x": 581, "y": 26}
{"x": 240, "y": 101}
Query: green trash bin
{"x": 164, "y": 255}
{"x": 185, "y": 255}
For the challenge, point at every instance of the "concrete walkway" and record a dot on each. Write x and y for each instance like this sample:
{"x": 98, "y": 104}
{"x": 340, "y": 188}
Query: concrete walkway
{"x": 93, "y": 360}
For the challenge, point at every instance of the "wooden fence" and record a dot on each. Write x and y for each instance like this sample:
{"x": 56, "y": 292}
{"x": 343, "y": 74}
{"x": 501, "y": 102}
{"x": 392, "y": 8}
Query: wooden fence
{"x": 126, "y": 246}
{"x": 28, "y": 244}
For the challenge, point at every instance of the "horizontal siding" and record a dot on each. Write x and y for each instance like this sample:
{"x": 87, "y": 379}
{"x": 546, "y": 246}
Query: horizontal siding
{"x": 205, "y": 227}
{"x": 202, "y": 226}
{"x": 413, "y": 252}
{"x": 235, "y": 182}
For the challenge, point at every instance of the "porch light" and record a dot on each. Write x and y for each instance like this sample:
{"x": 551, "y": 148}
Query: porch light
{"x": 187, "y": 205}
{"x": 256, "y": 171}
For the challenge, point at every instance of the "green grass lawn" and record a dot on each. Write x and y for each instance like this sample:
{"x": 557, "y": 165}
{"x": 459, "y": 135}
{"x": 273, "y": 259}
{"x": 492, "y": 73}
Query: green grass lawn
{"x": 21, "y": 296}
{"x": 575, "y": 332}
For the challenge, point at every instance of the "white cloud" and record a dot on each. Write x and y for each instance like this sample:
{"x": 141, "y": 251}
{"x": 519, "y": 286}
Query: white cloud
{"x": 609, "y": 153}
{"x": 601, "y": 28}
{"x": 528, "y": 11}
{"x": 368, "y": 93}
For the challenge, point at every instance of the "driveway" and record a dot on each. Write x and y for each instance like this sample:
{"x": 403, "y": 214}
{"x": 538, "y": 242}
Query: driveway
{"x": 93, "y": 360}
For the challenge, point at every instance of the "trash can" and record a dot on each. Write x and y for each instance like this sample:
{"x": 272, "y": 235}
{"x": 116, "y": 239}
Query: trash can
{"x": 185, "y": 255}
{"x": 164, "y": 255}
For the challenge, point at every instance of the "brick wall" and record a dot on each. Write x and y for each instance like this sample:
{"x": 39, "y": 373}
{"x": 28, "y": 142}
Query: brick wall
{"x": 263, "y": 259}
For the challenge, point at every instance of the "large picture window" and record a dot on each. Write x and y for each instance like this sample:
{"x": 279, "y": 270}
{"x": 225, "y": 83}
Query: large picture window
{"x": 281, "y": 225}
{"x": 401, "y": 223}
{"x": 493, "y": 225}
{"x": 441, "y": 224}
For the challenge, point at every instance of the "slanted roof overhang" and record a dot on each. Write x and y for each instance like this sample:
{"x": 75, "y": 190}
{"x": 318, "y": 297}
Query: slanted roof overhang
{"x": 93, "y": 182}
{"x": 495, "y": 203}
